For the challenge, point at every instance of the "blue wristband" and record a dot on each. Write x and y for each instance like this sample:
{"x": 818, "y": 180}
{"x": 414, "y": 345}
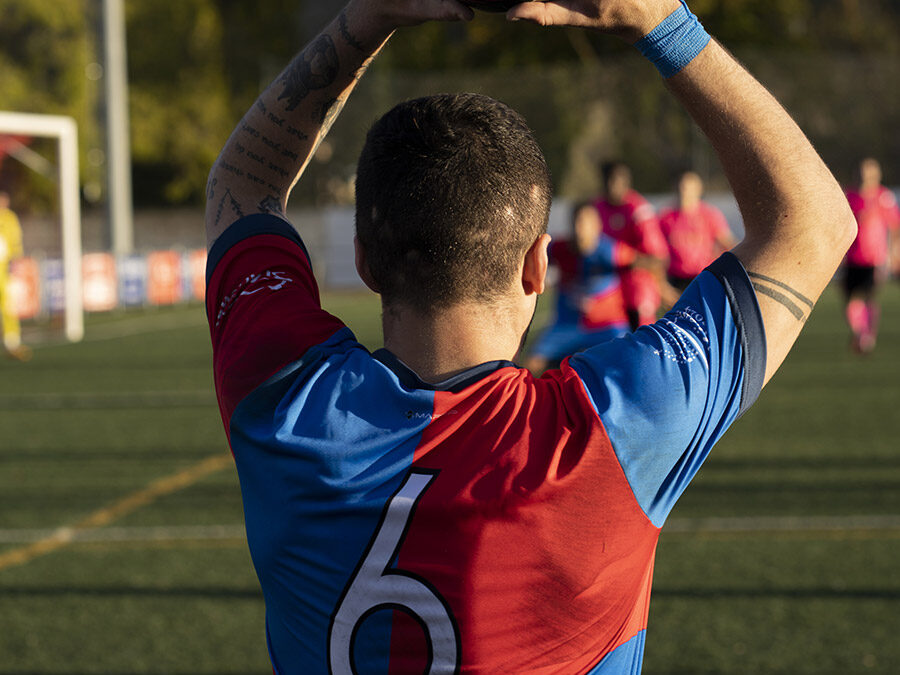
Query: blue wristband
{"x": 675, "y": 42}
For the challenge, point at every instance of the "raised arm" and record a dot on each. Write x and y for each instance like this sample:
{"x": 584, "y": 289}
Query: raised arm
{"x": 798, "y": 223}
{"x": 272, "y": 145}
{"x": 797, "y": 220}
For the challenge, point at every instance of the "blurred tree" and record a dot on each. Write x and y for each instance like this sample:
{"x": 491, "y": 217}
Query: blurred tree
{"x": 180, "y": 112}
{"x": 46, "y": 57}
{"x": 195, "y": 66}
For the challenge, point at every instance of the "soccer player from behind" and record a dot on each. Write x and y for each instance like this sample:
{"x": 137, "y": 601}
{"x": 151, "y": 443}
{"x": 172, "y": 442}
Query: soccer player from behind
{"x": 432, "y": 507}
{"x": 868, "y": 261}
{"x": 10, "y": 249}
{"x": 590, "y": 307}
{"x": 629, "y": 218}
{"x": 695, "y": 232}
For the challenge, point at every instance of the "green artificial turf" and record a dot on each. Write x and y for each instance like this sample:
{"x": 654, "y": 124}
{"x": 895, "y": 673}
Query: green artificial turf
{"x": 87, "y": 426}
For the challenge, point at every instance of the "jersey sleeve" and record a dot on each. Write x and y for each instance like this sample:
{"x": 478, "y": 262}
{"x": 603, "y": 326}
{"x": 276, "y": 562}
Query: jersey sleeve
{"x": 667, "y": 393}
{"x": 262, "y": 304}
{"x": 718, "y": 223}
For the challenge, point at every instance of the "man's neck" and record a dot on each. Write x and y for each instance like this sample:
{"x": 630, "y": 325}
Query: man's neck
{"x": 437, "y": 347}
{"x": 869, "y": 188}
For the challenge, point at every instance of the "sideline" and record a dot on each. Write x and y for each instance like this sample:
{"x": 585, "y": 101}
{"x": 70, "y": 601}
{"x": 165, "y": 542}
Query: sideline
{"x": 184, "y": 316}
{"x": 63, "y": 536}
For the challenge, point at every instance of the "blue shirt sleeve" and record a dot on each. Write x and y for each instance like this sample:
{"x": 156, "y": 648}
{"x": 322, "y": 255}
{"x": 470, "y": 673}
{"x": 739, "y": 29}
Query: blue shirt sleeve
{"x": 667, "y": 393}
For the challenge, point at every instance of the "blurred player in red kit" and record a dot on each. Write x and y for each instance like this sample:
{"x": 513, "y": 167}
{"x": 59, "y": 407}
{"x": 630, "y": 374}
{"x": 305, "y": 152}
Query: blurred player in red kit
{"x": 696, "y": 232}
{"x": 868, "y": 260}
{"x": 628, "y": 217}
{"x": 590, "y": 307}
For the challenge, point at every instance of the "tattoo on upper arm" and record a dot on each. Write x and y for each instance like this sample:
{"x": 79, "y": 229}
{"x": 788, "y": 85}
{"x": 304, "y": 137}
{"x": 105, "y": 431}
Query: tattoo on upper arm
{"x": 232, "y": 203}
{"x": 783, "y": 294}
{"x": 316, "y": 68}
{"x": 347, "y": 35}
{"x": 270, "y": 204}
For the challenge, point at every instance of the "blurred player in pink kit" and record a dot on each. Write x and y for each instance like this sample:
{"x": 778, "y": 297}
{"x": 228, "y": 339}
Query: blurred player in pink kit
{"x": 696, "y": 232}
{"x": 868, "y": 260}
{"x": 628, "y": 218}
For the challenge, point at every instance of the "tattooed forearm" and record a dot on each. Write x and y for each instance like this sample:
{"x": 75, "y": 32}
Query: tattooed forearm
{"x": 278, "y": 136}
{"x": 296, "y": 133}
{"x": 783, "y": 294}
{"x": 347, "y": 35}
{"x": 316, "y": 68}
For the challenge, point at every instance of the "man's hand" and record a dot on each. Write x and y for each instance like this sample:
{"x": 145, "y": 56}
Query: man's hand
{"x": 628, "y": 19}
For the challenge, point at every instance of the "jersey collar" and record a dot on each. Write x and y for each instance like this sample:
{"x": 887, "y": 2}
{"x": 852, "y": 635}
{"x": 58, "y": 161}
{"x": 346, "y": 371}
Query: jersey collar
{"x": 409, "y": 379}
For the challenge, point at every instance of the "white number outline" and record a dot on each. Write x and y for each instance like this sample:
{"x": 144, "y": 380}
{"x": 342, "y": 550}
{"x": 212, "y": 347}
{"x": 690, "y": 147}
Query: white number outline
{"x": 374, "y": 582}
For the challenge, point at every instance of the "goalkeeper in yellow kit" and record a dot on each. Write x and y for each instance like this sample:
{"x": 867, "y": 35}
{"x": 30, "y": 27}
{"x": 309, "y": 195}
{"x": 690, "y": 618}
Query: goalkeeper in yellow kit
{"x": 10, "y": 249}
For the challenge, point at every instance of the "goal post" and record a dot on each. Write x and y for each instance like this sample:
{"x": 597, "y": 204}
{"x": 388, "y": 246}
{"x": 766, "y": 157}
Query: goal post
{"x": 65, "y": 131}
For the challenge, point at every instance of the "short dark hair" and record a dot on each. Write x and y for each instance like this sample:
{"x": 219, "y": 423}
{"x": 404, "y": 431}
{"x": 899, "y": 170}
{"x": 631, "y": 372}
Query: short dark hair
{"x": 609, "y": 168}
{"x": 451, "y": 191}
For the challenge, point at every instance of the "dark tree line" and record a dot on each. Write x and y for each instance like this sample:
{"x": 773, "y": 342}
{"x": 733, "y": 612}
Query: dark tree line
{"x": 195, "y": 65}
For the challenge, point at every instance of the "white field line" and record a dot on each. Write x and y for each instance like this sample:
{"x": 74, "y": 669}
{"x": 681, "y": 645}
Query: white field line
{"x": 879, "y": 523}
{"x": 125, "y": 327}
{"x": 147, "y": 323}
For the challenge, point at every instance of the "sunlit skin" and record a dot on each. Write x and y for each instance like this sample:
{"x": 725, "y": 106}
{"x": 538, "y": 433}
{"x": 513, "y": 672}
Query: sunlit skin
{"x": 586, "y": 228}
{"x": 690, "y": 190}
{"x": 869, "y": 175}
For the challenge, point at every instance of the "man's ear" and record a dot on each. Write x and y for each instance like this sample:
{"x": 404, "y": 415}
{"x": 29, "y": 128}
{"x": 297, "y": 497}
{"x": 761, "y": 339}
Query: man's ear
{"x": 534, "y": 271}
{"x": 362, "y": 266}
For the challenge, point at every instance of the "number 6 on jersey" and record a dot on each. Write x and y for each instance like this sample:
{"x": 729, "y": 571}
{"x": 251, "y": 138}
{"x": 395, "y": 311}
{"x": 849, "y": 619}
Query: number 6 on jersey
{"x": 376, "y": 586}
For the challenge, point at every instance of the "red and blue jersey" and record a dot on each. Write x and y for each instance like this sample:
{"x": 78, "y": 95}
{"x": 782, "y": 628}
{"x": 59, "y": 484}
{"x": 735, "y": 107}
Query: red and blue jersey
{"x": 590, "y": 305}
{"x": 589, "y": 290}
{"x": 492, "y": 523}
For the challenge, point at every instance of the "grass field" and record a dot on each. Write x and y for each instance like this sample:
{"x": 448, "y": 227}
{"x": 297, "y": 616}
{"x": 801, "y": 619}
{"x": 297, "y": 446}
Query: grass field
{"x": 121, "y": 548}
